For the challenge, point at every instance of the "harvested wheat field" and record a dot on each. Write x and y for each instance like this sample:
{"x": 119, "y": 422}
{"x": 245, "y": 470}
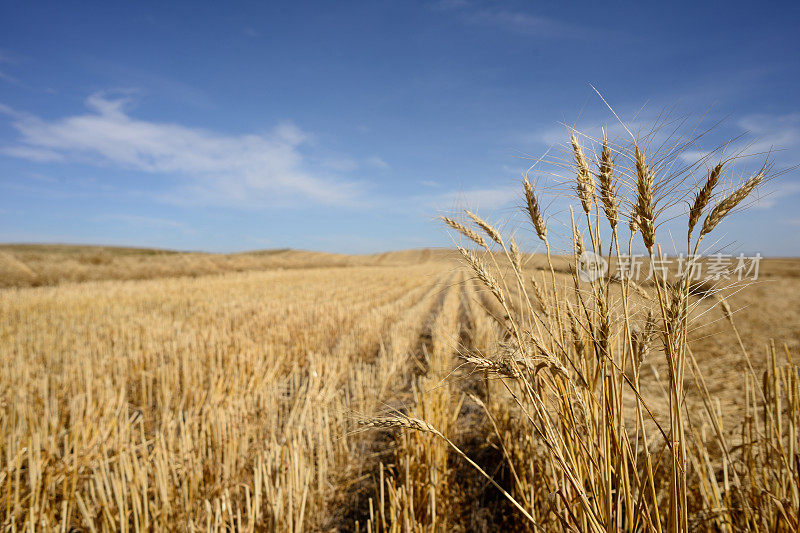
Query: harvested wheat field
{"x": 241, "y": 400}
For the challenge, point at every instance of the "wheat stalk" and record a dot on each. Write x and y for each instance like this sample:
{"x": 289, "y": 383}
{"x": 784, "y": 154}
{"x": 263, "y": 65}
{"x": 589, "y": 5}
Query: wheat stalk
{"x": 642, "y": 340}
{"x": 400, "y": 421}
{"x": 585, "y": 185}
{"x": 406, "y": 422}
{"x": 722, "y": 209}
{"x": 703, "y": 196}
{"x": 485, "y": 226}
{"x": 633, "y": 223}
{"x": 645, "y": 205}
{"x": 516, "y": 257}
{"x": 608, "y": 192}
{"x": 502, "y": 367}
{"x": 534, "y": 211}
{"x": 483, "y": 273}
{"x": 577, "y": 240}
{"x": 465, "y": 231}
{"x": 537, "y": 291}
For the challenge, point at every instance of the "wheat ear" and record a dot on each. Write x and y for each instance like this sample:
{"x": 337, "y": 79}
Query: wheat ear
{"x": 465, "y": 231}
{"x": 585, "y": 187}
{"x": 485, "y": 226}
{"x": 483, "y": 274}
{"x": 725, "y": 206}
{"x": 645, "y": 205}
{"x": 608, "y": 192}
{"x": 534, "y": 211}
{"x": 704, "y": 196}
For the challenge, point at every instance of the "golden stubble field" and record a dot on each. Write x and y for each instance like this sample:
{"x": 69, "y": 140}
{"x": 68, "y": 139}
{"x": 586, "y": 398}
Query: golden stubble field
{"x": 225, "y": 392}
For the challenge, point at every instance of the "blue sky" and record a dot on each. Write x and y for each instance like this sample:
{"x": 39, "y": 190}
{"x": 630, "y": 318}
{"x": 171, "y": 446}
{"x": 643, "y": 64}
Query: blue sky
{"x": 347, "y": 126}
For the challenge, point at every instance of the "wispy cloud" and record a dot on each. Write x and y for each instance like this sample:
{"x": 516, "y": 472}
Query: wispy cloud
{"x": 771, "y": 132}
{"x": 10, "y": 79}
{"x": 376, "y": 162}
{"x": 522, "y": 22}
{"x": 208, "y": 167}
{"x": 345, "y": 163}
{"x": 507, "y": 19}
{"x": 32, "y": 153}
{"x": 139, "y": 221}
{"x": 778, "y": 135}
{"x": 777, "y": 192}
{"x": 483, "y": 199}
{"x": 6, "y": 58}
{"x": 763, "y": 133}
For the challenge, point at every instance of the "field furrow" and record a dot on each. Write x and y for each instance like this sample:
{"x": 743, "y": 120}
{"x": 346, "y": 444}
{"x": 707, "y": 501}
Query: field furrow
{"x": 225, "y": 402}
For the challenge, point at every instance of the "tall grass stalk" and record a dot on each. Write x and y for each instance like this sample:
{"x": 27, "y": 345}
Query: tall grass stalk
{"x": 588, "y": 448}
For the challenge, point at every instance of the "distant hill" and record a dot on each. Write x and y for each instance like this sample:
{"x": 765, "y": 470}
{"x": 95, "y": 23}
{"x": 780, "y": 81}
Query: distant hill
{"x": 30, "y": 265}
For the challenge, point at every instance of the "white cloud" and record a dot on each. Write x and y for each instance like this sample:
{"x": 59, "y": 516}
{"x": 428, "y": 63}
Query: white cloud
{"x": 340, "y": 163}
{"x": 376, "y": 162}
{"x": 483, "y": 199}
{"x": 7, "y": 58}
{"x": 516, "y": 21}
{"x": 9, "y": 79}
{"x": 780, "y": 132}
{"x": 344, "y": 163}
{"x": 31, "y": 153}
{"x": 776, "y": 192}
{"x": 450, "y": 4}
{"x": 211, "y": 168}
{"x": 522, "y": 22}
{"x": 139, "y": 221}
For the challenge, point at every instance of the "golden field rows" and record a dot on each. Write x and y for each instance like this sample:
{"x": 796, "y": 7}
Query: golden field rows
{"x": 204, "y": 402}
{"x": 233, "y": 400}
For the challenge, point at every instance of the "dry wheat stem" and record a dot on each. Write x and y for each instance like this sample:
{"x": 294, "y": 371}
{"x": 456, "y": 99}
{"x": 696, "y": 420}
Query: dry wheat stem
{"x": 465, "y": 231}
{"x": 486, "y": 227}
